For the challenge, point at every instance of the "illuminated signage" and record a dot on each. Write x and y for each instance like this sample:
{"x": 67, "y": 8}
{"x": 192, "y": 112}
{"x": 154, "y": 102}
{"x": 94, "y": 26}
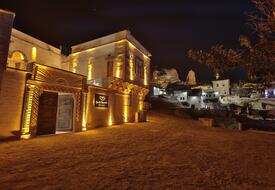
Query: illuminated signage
{"x": 101, "y": 101}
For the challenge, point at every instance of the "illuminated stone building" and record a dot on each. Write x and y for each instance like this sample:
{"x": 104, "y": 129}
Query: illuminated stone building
{"x": 102, "y": 82}
{"x": 117, "y": 63}
{"x": 38, "y": 97}
{"x": 25, "y": 49}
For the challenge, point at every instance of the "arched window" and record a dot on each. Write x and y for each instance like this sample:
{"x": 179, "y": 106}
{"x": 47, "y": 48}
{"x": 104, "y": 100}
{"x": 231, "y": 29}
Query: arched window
{"x": 17, "y": 60}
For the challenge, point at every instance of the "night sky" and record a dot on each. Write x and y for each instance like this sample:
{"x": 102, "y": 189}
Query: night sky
{"x": 166, "y": 28}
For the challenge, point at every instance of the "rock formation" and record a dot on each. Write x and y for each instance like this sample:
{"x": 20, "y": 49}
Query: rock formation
{"x": 164, "y": 77}
{"x": 191, "y": 78}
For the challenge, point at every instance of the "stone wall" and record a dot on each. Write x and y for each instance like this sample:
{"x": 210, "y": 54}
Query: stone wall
{"x": 6, "y": 22}
{"x": 130, "y": 66}
{"x": 34, "y": 50}
{"x": 97, "y": 117}
{"x": 11, "y": 103}
{"x": 222, "y": 86}
{"x": 121, "y": 49}
{"x": 121, "y": 108}
{"x": 98, "y": 58}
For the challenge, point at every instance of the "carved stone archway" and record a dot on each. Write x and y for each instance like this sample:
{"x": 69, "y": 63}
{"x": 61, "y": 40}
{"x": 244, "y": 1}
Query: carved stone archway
{"x": 17, "y": 59}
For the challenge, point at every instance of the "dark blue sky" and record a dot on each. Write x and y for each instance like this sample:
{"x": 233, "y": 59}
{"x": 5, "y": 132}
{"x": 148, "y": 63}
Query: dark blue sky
{"x": 166, "y": 28}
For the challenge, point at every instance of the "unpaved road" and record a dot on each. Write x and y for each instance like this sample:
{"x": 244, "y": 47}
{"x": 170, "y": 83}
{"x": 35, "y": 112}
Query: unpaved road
{"x": 165, "y": 153}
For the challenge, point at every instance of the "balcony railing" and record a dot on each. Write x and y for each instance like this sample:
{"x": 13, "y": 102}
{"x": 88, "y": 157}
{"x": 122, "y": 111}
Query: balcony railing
{"x": 103, "y": 82}
{"x": 107, "y": 81}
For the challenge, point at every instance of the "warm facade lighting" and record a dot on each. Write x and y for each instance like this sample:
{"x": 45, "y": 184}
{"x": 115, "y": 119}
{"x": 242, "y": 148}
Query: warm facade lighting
{"x": 90, "y": 69}
{"x": 126, "y": 108}
{"x": 131, "y": 63}
{"x": 140, "y": 103}
{"x": 34, "y": 54}
{"x": 145, "y": 75}
{"x": 101, "y": 46}
{"x": 25, "y": 132}
{"x": 125, "y": 114}
{"x": 116, "y": 42}
{"x": 110, "y": 121}
{"x": 118, "y": 73}
{"x": 74, "y": 69}
{"x": 27, "y": 136}
{"x": 84, "y": 115}
{"x": 132, "y": 46}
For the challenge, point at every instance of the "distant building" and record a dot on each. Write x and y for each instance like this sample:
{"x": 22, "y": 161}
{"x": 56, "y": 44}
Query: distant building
{"x": 270, "y": 91}
{"x": 180, "y": 91}
{"x": 222, "y": 87}
{"x": 203, "y": 97}
{"x": 156, "y": 91}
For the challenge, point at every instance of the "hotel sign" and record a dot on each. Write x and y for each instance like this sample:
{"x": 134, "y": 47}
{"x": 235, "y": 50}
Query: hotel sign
{"x": 101, "y": 101}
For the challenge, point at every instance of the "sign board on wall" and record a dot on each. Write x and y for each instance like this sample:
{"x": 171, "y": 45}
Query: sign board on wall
{"x": 101, "y": 101}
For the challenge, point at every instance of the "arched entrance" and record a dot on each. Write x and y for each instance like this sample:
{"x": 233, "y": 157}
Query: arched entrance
{"x": 53, "y": 102}
{"x": 17, "y": 60}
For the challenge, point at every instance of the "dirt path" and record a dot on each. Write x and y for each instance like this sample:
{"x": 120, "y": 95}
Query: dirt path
{"x": 165, "y": 153}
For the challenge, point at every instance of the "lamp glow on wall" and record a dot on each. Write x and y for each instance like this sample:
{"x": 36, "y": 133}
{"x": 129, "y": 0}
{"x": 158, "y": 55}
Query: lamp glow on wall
{"x": 126, "y": 107}
{"x": 118, "y": 67}
{"x": 25, "y": 131}
{"x": 74, "y": 66}
{"x": 145, "y": 74}
{"x": 140, "y": 103}
{"x": 84, "y": 114}
{"x": 34, "y": 54}
{"x": 131, "y": 64}
{"x": 110, "y": 120}
{"x": 90, "y": 69}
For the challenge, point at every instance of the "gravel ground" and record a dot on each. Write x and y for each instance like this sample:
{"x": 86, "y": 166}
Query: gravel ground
{"x": 165, "y": 153}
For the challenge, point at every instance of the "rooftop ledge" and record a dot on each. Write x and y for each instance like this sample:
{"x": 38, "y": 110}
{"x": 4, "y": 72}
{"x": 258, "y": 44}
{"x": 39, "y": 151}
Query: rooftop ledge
{"x": 7, "y": 12}
{"x": 112, "y": 38}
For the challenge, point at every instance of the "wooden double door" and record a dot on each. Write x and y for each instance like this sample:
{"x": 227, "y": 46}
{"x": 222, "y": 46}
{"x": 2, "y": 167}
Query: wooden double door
{"x": 55, "y": 113}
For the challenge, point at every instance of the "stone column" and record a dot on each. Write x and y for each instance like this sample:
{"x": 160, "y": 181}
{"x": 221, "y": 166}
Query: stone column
{"x": 6, "y": 23}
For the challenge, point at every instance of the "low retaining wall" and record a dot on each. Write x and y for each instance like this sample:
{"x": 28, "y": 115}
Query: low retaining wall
{"x": 208, "y": 122}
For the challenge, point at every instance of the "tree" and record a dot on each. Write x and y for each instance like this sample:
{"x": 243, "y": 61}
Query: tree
{"x": 256, "y": 56}
{"x": 218, "y": 60}
{"x": 259, "y": 55}
{"x": 263, "y": 20}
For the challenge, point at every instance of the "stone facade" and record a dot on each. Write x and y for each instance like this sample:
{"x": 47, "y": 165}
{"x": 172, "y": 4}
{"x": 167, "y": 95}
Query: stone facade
{"x": 122, "y": 107}
{"x": 222, "y": 87}
{"x": 31, "y": 50}
{"x": 6, "y": 22}
{"x": 11, "y": 103}
{"x": 117, "y": 55}
{"x": 39, "y": 80}
{"x": 119, "y": 64}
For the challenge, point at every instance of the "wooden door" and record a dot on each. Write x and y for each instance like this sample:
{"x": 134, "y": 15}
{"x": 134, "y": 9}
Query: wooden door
{"x": 65, "y": 113}
{"x": 46, "y": 123}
